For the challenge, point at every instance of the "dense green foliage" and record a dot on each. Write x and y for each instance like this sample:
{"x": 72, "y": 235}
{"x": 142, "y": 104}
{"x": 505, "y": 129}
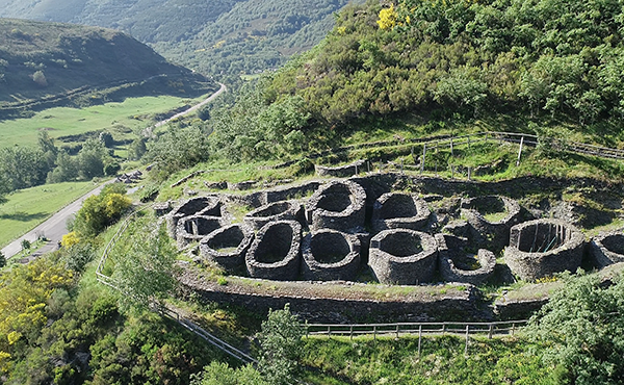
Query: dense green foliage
{"x": 102, "y": 210}
{"x": 562, "y": 59}
{"x": 584, "y": 325}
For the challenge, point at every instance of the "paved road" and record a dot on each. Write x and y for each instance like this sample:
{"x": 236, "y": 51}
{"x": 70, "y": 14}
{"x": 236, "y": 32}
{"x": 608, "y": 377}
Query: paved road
{"x": 223, "y": 88}
{"x": 53, "y": 229}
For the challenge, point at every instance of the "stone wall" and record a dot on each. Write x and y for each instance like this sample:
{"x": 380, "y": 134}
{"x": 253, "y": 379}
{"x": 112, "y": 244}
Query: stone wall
{"x": 227, "y": 246}
{"x": 338, "y": 205}
{"x": 275, "y": 253}
{"x": 543, "y": 247}
{"x": 396, "y": 210}
{"x": 330, "y": 255}
{"x": 403, "y": 257}
{"x": 607, "y": 248}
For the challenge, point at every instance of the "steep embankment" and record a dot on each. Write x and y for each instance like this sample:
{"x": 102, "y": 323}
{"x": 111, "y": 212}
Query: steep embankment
{"x": 52, "y": 60}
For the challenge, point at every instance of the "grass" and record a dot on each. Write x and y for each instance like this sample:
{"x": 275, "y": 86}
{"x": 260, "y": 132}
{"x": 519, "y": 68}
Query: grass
{"x": 25, "y": 209}
{"x": 364, "y": 360}
{"x": 118, "y": 118}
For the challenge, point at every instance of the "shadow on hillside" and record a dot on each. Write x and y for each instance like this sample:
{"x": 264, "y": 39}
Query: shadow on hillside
{"x": 23, "y": 217}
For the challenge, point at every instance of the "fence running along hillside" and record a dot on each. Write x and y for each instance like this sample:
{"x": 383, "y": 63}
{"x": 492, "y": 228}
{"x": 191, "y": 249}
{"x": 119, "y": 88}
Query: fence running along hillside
{"x": 162, "y": 309}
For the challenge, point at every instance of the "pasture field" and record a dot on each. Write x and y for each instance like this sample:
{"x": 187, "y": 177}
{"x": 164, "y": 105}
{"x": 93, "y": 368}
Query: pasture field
{"x": 26, "y": 209}
{"x": 121, "y": 119}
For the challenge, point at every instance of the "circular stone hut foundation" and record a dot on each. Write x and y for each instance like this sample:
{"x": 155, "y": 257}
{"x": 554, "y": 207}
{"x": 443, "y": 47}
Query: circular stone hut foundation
{"x": 543, "y": 247}
{"x": 491, "y": 217}
{"x": 227, "y": 246}
{"x": 278, "y": 211}
{"x": 338, "y": 206}
{"x": 206, "y": 206}
{"x": 330, "y": 255}
{"x": 394, "y": 210}
{"x": 607, "y": 248}
{"x": 458, "y": 265}
{"x": 403, "y": 257}
{"x": 194, "y": 228}
{"x": 275, "y": 253}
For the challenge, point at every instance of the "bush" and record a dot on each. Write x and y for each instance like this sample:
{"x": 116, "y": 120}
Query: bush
{"x": 100, "y": 211}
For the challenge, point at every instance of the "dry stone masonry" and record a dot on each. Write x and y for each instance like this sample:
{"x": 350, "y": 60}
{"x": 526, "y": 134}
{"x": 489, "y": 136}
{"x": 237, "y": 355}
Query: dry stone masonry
{"x": 275, "y": 253}
{"x": 403, "y": 257}
{"x": 543, "y": 247}
{"x": 491, "y": 217}
{"x": 208, "y": 206}
{"x": 288, "y": 210}
{"x": 338, "y": 205}
{"x": 227, "y": 246}
{"x": 330, "y": 255}
{"x": 395, "y": 210}
{"x": 457, "y": 264}
{"x": 607, "y": 248}
{"x": 194, "y": 228}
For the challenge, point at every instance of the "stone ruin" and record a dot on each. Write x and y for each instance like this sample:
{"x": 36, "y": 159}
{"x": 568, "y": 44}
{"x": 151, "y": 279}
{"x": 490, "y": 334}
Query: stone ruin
{"x": 277, "y": 211}
{"x": 607, "y": 248}
{"x": 458, "y": 264}
{"x": 492, "y": 234}
{"x": 543, "y": 247}
{"x": 207, "y": 206}
{"x": 227, "y": 246}
{"x": 396, "y": 210}
{"x": 275, "y": 253}
{"x": 340, "y": 171}
{"x": 194, "y": 228}
{"x": 338, "y": 205}
{"x": 403, "y": 257}
{"x": 330, "y": 255}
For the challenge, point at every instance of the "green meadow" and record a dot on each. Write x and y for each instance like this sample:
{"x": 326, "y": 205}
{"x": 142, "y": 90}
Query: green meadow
{"x": 118, "y": 118}
{"x": 25, "y": 209}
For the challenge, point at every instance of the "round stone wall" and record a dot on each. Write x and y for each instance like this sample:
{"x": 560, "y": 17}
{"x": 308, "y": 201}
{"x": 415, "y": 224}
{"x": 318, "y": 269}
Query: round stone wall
{"x": 194, "y": 228}
{"x": 459, "y": 265}
{"x": 607, "y": 248}
{"x": 275, "y": 253}
{"x": 208, "y": 206}
{"x": 543, "y": 247}
{"x": 491, "y": 217}
{"x": 277, "y": 211}
{"x": 338, "y": 205}
{"x": 330, "y": 255}
{"x": 227, "y": 246}
{"x": 396, "y": 210}
{"x": 403, "y": 257}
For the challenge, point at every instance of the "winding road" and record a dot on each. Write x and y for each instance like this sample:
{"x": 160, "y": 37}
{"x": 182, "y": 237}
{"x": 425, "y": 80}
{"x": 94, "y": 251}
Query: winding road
{"x": 56, "y": 226}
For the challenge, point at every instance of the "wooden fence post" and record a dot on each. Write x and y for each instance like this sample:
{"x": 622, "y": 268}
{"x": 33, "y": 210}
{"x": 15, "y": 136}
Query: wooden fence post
{"x": 520, "y": 151}
{"x": 451, "y": 146}
{"x": 467, "y": 337}
{"x": 375, "y": 332}
{"x": 422, "y": 161}
{"x": 351, "y": 332}
{"x": 419, "y": 338}
{"x": 491, "y": 331}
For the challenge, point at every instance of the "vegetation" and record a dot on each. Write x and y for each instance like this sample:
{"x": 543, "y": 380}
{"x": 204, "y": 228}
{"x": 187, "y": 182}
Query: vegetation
{"x": 25, "y": 209}
{"x": 62, "y": 64}
{"x": 100, "y": 211}
{"x": 207, "y": 36}
{"x": 582, "y": 325}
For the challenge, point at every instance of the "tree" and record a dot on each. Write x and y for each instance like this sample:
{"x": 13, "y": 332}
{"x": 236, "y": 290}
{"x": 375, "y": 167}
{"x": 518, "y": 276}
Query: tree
{"x": 281, "y": 346}
{"x": 144, "y": 272}
{"x": 218, "y": 373}
{"x": 25, "y": 244}
{"x": 99, "y": 211}
{"x": 3, "y": 260}
{"x": 40, "y": 79}
{"x": 584, "y": 325}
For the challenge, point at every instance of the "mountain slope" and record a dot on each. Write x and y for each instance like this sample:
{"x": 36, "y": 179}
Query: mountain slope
{"x": 40, "y": 59}
{"x": 214, "y": 37}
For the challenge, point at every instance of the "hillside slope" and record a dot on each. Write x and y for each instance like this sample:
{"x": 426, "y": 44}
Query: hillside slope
{"x": 215, "y": 37}
{"x": 40, "y": 60}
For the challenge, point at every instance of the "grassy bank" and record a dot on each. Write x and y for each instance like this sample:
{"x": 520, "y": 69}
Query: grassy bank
{"x": 25, "y": 209}
{"x": 118, "y": 118}
{"x": 365, "y": 360}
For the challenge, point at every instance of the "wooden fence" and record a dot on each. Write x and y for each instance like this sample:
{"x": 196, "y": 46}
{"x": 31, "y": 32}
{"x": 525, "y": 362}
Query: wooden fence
{"x": 466, "y": 329}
